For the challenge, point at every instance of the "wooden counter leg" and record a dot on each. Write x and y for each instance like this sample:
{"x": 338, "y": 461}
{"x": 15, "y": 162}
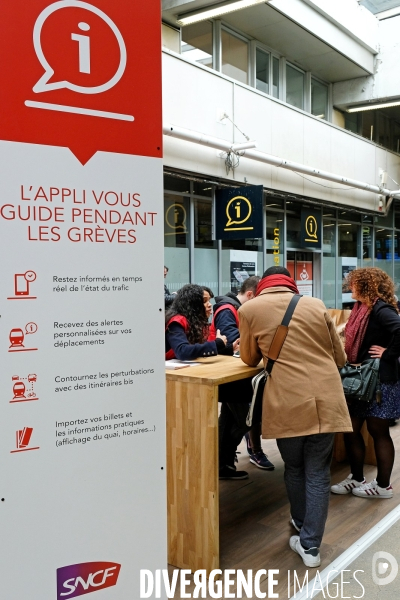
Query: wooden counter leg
{"x": 192, "y": 475}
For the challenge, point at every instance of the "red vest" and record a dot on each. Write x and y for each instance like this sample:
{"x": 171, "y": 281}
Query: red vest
{"x": 182, "y": 321}
{"x": 213, "y": 330}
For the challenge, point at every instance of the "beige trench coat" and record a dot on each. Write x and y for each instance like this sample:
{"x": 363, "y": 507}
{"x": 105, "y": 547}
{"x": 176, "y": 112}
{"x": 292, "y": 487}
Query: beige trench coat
{"x": 304, "y": 394}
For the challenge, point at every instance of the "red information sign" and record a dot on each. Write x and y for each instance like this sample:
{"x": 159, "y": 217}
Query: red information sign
{"x": 85, "y": 75}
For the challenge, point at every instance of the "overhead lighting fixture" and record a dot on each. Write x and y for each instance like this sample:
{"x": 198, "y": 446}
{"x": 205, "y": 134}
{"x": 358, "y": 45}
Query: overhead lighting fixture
{"x": 373, "y": 106}
{"x": 210, "y": 12}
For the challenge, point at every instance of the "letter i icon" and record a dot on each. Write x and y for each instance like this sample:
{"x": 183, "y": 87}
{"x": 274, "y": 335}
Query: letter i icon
{"x": 84, "y": 48}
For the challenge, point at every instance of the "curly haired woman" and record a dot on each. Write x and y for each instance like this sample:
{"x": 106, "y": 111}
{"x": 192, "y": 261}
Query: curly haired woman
{"x": 186, "y": 336}
{"x": 187, "y": 327}
{"x": 373, "y": 331}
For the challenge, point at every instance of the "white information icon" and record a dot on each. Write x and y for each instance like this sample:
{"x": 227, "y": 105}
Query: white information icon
{"x": 84, "y": 46}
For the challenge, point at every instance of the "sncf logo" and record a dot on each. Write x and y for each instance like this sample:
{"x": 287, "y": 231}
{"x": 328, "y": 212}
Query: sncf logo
{"x": 77, "y": 580}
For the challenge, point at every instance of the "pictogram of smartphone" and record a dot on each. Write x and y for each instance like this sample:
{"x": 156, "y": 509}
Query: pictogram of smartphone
{"x": 21, "y": 285}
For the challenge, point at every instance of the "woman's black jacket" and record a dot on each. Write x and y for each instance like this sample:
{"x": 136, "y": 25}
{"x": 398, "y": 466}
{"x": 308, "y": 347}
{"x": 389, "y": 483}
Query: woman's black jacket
{"x": 383, "y": 329}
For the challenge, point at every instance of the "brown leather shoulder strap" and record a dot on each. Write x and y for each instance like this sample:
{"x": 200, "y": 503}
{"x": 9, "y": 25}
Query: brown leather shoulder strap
{"x": 280, "y": 334}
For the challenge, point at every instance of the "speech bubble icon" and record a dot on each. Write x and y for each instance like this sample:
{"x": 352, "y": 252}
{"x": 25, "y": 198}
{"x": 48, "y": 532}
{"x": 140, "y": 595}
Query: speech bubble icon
{"x": 42, "y": 84}
{"x": 31, "y": 328}
{"x": 311, "y": 227}
{"x": 175, "y": 217}
{"x": 237, "y": 207}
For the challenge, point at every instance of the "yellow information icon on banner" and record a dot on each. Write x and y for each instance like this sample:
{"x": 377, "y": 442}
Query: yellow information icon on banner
{"x": 311, "y": 229}
{"x": 238, "y": 211}
{"x": 175, "y": 218}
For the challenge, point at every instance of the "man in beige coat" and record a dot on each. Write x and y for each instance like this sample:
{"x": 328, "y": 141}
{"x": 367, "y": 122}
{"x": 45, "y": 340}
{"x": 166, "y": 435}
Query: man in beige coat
{"x": 303, "y": 402}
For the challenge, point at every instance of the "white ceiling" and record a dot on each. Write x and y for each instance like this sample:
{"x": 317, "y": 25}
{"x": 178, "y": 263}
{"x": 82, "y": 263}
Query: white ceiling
{"x": 267, "y": 25}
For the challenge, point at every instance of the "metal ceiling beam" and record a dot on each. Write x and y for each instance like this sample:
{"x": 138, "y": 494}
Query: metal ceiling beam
{"x": 206, "y": 140}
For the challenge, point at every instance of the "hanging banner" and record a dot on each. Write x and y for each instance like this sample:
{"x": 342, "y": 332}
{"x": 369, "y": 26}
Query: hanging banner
{"x": 82, "y": 413}
{"x": 239, "y": 213}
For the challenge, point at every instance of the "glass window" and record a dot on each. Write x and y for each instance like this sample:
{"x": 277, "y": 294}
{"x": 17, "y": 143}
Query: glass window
{"x": 275, "y": 77}
{"x": 385, "y": 221}
{"x": 383, "y": 133}
{"x": 197, "y": 43}
{"x": 293, "y": 224}
{"x": 367, "y": 124}
{"x": 301, "y": 268}
{"x": 367, "y": 218}
{"x": 351, "y": 121}
{"x": 349, "y": 215}
{"x": 395, "y": 136}
{"x": 397, "y": 214}
{"x": 240, "y": 259}
{"x": 234, "y": 57}
{"x": 275, "y": 257}
{"x": 202, "y": 188}
{"x": 176, "y": 240}
{"x": 176, "y": 184}
{"x": 274, "y": 203}
{"x": 367, "y": 252}
{"x": 383, "y": 250}
{"x": 396, "y": 275}
{"x": 349, "y": 259}
{"x": 205, "y": 249}
{"x": 329, "y": 263}
{"x": 262, "y": 70}
{"x": 348, "y": 239}
{"x": 294, "y": 87}
{"x": 319, "y": 99}
{"x": 202, "y": 224}
{"x": 329, "y": 212}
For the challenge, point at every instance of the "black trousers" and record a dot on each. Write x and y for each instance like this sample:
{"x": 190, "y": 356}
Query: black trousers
{"x": 235, "y": 398}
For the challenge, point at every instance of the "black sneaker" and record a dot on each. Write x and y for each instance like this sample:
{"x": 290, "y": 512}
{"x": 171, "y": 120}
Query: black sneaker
{"x": 228, "y": 472}
{"x": 261, "y": 460}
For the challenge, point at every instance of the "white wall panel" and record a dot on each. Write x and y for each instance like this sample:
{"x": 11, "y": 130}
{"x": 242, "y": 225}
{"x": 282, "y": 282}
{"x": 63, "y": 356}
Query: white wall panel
{"x": 193, "y": 96}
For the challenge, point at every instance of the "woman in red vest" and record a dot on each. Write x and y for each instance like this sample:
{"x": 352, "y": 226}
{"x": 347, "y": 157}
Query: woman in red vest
{"x": 187, "y": 327}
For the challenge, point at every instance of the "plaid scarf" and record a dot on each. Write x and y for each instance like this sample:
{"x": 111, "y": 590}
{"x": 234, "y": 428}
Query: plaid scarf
{"x": 355, "y": 330}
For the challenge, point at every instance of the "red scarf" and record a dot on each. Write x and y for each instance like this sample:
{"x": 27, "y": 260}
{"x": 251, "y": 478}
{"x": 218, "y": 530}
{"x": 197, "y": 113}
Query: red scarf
{"x": 355, "y": 330}
{"x": 275, "y": 281}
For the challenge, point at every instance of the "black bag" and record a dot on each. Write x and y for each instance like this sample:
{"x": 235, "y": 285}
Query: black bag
{"x": 360, "y": 382}
{"x": 258, "y": 382}
{"x": 255, "y": 411}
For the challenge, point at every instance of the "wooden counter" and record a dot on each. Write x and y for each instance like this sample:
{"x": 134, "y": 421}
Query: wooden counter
{"x": 192, "y": 459}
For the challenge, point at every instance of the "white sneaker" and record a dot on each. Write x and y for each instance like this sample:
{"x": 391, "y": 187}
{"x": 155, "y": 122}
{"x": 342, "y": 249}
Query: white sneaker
{"x": 347, "y": 485}
{"x": 311, "y": 557}
{"x": 372, "y": 490}
{"x": 294, "y": 524}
